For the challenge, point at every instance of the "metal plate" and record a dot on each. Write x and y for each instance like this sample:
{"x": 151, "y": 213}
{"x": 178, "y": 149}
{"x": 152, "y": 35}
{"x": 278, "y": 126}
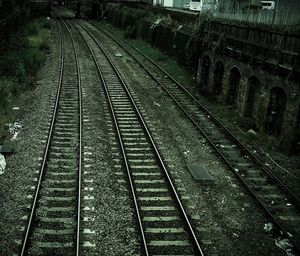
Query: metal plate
{"x": 199, "y": 172}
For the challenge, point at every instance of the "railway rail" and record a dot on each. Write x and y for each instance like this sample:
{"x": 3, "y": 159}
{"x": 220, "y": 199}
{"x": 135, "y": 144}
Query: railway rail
{"x": 53, "y": 226}
{"x": 277, "y": 200}
{"x": 162, "y": 220}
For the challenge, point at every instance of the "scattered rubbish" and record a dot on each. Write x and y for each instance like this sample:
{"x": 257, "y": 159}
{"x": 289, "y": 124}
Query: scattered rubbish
{"x": 226, "y": 146}
{"x": 14, "y": 129}
{"x": 2, "y": 164}
{"x": 14, "y": 137}
{"x": 156, "y": 103}
{"x": 118, "y": 54}
{"x": 252, "y": 132}
{"x": 15, "y": 108}
{"x": 48, "y": 18}
{"x": 155, "y": 24}
{"x": 243, "y": 209}
{"x": 223, "y": 200}
{"x": 288, "y": 204}
{"x": 268, "y": 227}
{"x": 288, "y": 253}
{"x": 186, "y": 152}
{"x": 236, "y": 235}
{"x": 236, "y": 169}
{"x": 283, "y": 244}
{"x": 179, "y": 27}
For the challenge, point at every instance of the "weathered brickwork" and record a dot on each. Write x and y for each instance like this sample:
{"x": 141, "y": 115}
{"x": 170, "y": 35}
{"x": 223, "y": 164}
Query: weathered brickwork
{"x": 249, "y": 89}
{"x": 254, "y": 69}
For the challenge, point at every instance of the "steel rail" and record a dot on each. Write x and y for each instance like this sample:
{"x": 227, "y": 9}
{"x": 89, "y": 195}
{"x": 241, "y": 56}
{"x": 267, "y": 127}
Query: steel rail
{"x": 227, "y": 162}
{"x": 78, "y": 233}
{"x": 170, "y": 182}
{"x": 145, "y": 248}
{"x": 41, "y": 175}
{"x": 212, "y": 117}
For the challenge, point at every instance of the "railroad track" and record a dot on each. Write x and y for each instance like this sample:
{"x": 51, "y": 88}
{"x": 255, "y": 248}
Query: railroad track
{"x": 278, "y": 201}
{"x": 164, "y": 226}
{"x": 53, "y": 226}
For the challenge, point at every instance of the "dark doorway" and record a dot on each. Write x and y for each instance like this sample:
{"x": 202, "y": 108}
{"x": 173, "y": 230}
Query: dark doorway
{"x": 205, "y": 71}
{"x": 296, "y": 143}
{"x": 234, "y": 82}
{"x": 275, "y": 112}
{"x": 218, "y": 78}
{"x": 252, "y": 95}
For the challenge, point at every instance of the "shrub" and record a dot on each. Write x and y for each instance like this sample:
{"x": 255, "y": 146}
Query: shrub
{"x": 21, "y": 73}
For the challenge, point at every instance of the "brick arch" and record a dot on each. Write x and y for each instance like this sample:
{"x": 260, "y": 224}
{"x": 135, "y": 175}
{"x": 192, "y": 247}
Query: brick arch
{"x": 218, "y": 74}
{"x": 281, "y": 86}
{"x": 275, "y": 113}
{"x": 234, "y": 86}
{"x": 205, "y": 70}
{"x": 296, "y": 141}
{"x": 252, "y": 93}
{"x": 240, "y": 69}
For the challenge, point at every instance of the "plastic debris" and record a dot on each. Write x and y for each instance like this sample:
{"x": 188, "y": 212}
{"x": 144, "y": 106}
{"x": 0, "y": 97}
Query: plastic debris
{"x": 118, "y": 54}
{"x": 283, "y": 244}
{"x": 252, "y": 132}
{"x": 16, "y": 108}
{"x": 2, "y": 164}
{"x": 186, "y": 152}
{"x": 155, "y": 24}
{"x": 288, "y": 253}
{"x": 156, "y": 103}
{"x": 14, "y": 129}
{"x": 236, "y": 235}
{"x": 268, "y": 227}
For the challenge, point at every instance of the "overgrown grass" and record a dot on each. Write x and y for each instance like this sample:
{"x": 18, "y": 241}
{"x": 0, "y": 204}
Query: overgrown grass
{"x": 20, "y": 61}
{"x": 168, "y": 63}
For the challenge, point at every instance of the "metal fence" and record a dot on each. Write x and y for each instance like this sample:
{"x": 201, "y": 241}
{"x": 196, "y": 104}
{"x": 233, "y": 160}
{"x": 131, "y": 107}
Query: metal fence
{"x": 268, "y": 17}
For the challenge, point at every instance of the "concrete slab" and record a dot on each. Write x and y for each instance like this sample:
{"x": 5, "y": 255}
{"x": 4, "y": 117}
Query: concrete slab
{"x": 199, "y": 172}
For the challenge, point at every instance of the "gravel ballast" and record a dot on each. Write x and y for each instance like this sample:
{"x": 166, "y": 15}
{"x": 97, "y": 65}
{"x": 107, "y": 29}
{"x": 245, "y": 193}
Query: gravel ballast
{"x": 230, "y": 223}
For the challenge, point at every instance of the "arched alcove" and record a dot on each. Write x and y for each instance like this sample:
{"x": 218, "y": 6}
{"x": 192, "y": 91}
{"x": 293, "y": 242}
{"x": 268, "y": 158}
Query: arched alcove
{"x": 253, "y": 90}
{"x": 234, "y": 82}
{"x": 218, "y": 78}
{"x": 206, "y": 63}
{"x": 275, "y": 111}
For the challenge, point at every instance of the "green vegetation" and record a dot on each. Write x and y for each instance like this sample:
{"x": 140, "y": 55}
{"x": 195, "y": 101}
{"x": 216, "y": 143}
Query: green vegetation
{"x": 20, "y": 61}
{"x": 168, "y": 63}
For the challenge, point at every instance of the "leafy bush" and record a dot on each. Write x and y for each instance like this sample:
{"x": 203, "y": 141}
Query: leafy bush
{"x": 20, "y": 61}
{"x": 21, "y": 73}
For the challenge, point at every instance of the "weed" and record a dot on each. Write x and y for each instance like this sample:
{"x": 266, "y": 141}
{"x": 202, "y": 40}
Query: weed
{"x": 19, "y": 63}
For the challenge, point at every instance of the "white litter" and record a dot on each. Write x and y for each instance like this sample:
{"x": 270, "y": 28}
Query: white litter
{"x": 186, "y": 152}
{"x": 284, "y": 244}
{"x": 156, "y": 103}
{"x": 118, "y": 54}
{"x": 252, "y": 132}
{"x": 15, "y": 108}
{"x": 268, "y": 227}
{"x": 2, "y": 164}
{"x": 14, "y": 129}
